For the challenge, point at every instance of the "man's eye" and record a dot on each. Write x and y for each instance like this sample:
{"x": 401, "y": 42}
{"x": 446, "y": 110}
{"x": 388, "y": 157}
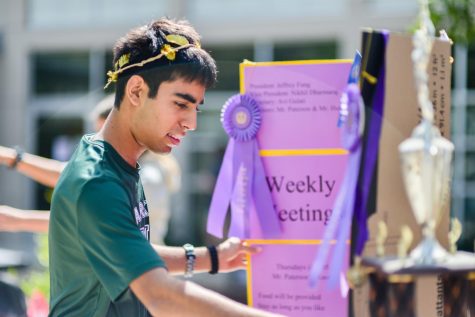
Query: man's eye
{"x": 181, "y": 105}
{"x": 185, "y": 106}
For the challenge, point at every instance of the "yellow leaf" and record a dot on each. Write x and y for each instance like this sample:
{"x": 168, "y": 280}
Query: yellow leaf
{"x": 124, "y": 59}
{"x": 177, "y": 39}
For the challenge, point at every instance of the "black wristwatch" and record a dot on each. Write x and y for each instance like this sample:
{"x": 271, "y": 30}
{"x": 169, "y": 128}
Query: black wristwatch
{"x": 190, "y": 259}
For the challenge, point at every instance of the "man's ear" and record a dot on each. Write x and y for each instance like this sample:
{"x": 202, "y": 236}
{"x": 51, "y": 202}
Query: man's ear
{"x": 135, "y": 90}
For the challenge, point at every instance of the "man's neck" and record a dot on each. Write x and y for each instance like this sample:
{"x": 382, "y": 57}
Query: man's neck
{"x": 117, "y": 133}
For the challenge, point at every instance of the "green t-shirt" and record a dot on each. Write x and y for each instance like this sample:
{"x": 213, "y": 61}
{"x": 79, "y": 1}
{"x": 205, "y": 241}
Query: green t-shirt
{"x": 98, "y": 235}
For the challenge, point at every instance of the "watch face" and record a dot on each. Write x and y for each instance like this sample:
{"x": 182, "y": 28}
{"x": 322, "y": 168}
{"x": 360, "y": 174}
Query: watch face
{"x": 190, "y": 259}
{"x": 188, "y": 247}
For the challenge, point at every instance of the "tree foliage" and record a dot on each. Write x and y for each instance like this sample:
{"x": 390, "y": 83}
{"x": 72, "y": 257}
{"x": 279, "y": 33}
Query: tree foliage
{"x": 457, "y": 17}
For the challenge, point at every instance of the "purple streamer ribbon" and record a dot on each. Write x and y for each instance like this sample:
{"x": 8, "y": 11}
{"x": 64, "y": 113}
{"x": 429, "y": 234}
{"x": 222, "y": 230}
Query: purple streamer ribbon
{"x": 371, "y": 156}
{"x": 340, "y": 222}
{"x": 241, "y": 180}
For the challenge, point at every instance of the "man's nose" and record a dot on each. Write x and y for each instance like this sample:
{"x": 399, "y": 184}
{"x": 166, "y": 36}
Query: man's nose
{"x": 190, "y": 121}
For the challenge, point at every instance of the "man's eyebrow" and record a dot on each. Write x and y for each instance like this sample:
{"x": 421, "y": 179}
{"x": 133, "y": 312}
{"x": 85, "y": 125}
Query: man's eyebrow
{"x": 188, "y": 97}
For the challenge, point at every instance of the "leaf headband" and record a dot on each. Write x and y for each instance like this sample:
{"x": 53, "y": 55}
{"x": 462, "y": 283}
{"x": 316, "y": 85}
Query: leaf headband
{"x": 166, "y": 50}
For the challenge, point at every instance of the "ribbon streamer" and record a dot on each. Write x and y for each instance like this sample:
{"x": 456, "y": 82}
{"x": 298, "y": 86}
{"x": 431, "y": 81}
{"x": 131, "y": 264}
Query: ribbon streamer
{"x": 351, "y": 113}
{"x": 371, "y": 154}
{"x": 241, "y": 180}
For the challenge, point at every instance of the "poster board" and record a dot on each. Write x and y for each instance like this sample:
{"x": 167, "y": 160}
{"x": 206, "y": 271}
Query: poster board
{"x": 301, "y": 151}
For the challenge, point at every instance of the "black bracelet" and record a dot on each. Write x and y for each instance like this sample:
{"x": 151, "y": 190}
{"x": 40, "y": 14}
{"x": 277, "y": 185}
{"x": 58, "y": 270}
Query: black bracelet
{"x": 213, "y": 255}
{"x": 18, "y": 157}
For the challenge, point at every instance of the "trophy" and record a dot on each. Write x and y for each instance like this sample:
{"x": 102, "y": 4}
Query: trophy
{"x": 426, "y": 156}
{"x": 426, "y": 164}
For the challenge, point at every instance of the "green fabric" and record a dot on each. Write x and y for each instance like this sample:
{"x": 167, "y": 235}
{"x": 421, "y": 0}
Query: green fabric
{"x": 98, "y": 235}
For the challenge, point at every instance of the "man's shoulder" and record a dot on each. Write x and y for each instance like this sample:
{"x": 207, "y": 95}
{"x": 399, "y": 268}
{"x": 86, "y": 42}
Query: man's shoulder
{"x": 89, "y": 176}
{"x": 88, "y": 163}
{"x": 87, "y": 180}
{"x": 87, "y": 154}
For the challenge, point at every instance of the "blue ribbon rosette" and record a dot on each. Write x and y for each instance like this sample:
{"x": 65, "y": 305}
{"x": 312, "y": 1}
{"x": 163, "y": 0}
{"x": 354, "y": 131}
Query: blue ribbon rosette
{"x": 241, "y": 181}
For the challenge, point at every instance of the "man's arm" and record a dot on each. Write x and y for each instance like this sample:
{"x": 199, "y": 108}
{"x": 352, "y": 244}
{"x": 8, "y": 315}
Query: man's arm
{"x": 43, "y": 170}
{"x": 13, "y": 219}
{"x": 164, "y": 295}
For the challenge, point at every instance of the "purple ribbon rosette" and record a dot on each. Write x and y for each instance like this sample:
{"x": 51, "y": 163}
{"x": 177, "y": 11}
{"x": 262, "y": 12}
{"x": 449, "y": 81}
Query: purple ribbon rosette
{"x": 351, "y": 119}
{"x": 241, "y": 181}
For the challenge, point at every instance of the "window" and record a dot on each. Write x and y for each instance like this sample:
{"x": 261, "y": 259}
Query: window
{"x": 470, "y": 166}
{"x": 468, "y": 234}
{"x": 228, "y": 59}
{"x": 302, "y": 51}
{"x": 62, "y": 72}
{"x": 471, "y": 67}
{"x": 470, "y": 120}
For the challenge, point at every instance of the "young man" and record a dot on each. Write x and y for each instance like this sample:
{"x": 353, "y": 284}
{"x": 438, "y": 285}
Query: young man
{"x": 101, "y": 262}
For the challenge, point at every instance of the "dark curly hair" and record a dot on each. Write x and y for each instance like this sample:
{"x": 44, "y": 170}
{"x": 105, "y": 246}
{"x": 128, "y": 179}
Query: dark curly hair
{"x": 191, "y": 64}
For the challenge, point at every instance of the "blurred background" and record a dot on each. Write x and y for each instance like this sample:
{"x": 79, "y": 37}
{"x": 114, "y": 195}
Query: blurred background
{"x": 54, "y": 55}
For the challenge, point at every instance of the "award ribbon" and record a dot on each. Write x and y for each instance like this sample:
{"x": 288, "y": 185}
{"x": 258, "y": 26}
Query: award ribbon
{"x": 351, "y": 120}
{"x": 371, "y": 155}
{"x": 241, "y": 181}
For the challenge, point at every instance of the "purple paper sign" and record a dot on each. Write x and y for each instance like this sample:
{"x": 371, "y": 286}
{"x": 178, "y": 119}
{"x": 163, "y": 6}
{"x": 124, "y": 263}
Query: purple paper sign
{"x": 278, "y": 282}
{"x": 299, "y": 140}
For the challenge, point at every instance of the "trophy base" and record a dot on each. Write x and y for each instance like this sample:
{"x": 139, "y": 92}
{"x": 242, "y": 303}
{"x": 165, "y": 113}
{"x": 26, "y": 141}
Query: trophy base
{"x": 429, "y": 252}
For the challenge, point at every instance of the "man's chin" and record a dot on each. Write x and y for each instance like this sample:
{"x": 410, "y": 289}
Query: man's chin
{"x": 162, "y": 150}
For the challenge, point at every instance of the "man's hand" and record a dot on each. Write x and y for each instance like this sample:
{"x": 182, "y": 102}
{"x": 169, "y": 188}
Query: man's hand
{"x": 232, "y": 254}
